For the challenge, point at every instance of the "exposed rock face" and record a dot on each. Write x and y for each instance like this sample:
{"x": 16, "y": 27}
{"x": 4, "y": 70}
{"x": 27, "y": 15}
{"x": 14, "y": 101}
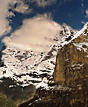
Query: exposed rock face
{"x": 22, "y": 72}
{"x": 71, "y": 72}
{"x": 72, "y": 61}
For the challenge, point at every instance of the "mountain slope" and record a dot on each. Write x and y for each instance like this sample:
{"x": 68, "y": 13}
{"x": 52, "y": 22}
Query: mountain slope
{"x": 70, "y": 75}
{"x": 29, "y": 67}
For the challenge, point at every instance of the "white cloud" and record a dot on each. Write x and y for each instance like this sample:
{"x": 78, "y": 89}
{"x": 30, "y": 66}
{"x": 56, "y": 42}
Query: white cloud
{"x": 4, "y": 24}
{"x": 35, "y": 34}
{"x": 5, "y": 5}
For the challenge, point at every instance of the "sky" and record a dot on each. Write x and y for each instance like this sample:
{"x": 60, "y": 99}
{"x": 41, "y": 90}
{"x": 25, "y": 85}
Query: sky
{"x": 15, "y": 16}
{"x": 70, "y": 12}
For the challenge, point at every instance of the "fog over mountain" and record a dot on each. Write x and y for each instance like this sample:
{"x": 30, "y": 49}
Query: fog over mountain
{"x": 4, "y": 24}
{"x": 35, "y": 34}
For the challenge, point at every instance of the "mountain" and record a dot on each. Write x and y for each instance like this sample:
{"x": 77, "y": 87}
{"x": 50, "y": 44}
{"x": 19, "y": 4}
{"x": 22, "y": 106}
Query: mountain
{"x": 70, "y": 75}
{"x": 22, "y": 68}
{"x": 47, "y": 75}
{"x": 29, "y": 67}
{"x": 72, "y": 60}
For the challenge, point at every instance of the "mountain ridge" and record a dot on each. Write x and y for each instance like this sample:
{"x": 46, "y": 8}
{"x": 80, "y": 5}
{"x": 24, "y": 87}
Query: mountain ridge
{"x": 17, "y": 62}
{"x": 35, "y": 73}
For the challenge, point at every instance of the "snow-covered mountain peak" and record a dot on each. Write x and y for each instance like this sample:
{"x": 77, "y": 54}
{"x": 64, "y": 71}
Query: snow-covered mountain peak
{"x": 29, "y": 67}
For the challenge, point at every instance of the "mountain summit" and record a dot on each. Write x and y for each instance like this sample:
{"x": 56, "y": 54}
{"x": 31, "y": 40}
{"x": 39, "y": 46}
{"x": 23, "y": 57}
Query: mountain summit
{"x": 70, "y": 75}
{"x": 29, "y": 67}
{"x": 40, "y": 76}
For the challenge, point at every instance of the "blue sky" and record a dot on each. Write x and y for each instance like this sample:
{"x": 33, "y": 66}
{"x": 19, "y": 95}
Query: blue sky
{"x": 69, "y": 12}
{"x": 62, "y": 11}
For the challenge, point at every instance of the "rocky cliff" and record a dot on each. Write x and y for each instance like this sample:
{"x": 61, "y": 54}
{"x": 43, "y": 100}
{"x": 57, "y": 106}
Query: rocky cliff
{"x": 70, "y": 75}
{"x": 72, "y": 61}
{"x": 26, "y": 76}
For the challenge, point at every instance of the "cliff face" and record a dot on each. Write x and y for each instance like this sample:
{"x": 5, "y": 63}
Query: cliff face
{"x": 72, "y": 61}
{"x": 71, "y": 75}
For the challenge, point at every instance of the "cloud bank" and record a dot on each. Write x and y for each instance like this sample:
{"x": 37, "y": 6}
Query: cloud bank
{"x": 5, "y": 5}
{"x": 35, "y": 34}
{"x": 19, "y": 6}
{"x": 4, "y": 24}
